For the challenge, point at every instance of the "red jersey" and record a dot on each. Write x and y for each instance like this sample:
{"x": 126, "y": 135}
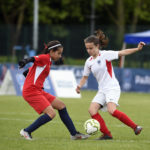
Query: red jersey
{"x": 37, "y": 73}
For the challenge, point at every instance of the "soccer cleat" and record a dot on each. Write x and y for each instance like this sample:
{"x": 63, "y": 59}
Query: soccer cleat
{"x": 26, "y": 135}
{"x": 105, "y": 137}
{"x": 79, "y": 136}
{"x": 138, "y": 130}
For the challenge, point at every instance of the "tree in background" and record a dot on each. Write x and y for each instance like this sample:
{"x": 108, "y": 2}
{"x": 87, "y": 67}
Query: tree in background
{"x": 13, "y": 13}
{"x": 119, "y": 13}
{"x": 123, "y": 13}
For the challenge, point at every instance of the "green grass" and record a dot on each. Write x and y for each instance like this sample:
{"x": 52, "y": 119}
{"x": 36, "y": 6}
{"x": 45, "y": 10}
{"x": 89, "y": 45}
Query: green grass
{"x": 16, "y": 114}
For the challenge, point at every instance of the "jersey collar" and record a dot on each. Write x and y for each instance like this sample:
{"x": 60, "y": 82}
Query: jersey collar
{"x": 91, "y": 58}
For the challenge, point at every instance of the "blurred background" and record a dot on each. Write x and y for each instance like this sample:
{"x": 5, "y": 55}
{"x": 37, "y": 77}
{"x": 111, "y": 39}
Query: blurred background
{"x": 25, "y": 25}
{"x": 70, "y": 21}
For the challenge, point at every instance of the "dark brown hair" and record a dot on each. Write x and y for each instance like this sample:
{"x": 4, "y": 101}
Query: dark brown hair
{"x": 51, "y": 46}
{"x": 98, "y": 38}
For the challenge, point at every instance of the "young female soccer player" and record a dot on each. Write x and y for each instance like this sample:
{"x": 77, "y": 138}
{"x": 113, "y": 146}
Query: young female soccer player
{"x": 99, "y": 63}
{"x": 37, "y": 98}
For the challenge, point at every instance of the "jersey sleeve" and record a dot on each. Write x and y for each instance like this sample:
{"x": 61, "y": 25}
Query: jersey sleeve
{"x": 41, "y": 60}
{"x": 87, "y": 69}
{"x": 111, "y": 55}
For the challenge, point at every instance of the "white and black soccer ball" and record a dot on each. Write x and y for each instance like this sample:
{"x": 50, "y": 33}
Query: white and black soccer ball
{"x": 91, "y": 126}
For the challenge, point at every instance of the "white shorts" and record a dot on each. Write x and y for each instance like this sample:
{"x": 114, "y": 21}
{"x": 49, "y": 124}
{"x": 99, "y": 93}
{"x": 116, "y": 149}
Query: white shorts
{"x": 104, "y": 97}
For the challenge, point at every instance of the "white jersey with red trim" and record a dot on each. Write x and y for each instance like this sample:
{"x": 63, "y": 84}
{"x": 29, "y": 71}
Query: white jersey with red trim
{"x": 102, "y": 69}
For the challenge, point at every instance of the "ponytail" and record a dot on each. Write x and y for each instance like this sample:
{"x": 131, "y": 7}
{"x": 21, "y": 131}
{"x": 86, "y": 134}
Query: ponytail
{"x": 103, "y": 39}
{"x": 98, "y": 38}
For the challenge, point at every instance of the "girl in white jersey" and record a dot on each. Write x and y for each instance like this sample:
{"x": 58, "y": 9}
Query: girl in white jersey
{"x": 99, "y": 63}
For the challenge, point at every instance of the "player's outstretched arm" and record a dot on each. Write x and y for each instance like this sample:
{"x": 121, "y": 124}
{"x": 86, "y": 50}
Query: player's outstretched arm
{"x": 23, "y": 62}
{"x": 132, "y": 50}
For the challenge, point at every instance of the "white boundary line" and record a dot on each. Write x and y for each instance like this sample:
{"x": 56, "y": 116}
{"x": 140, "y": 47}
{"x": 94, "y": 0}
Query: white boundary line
{"x": 54, "y": 122}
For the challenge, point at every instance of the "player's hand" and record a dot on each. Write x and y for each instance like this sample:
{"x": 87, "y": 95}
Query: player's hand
{"x": 22, "y": 63}
{"x": 140, "y": 45}
{"x": 78, "y": 89}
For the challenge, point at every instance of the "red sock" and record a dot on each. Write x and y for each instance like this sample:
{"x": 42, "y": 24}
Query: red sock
{"x": 103, "y": 127}
{"x": 124, "y": 118}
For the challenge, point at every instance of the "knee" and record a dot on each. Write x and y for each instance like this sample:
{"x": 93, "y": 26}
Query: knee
{"x": 62, "y": 106}
{"x": 111, "y": 107}
{"x": 58, "y": 104}
{"x": 52, "y": 114}
{"x": 111, "y": 111}
{"x": 92, "y": 111}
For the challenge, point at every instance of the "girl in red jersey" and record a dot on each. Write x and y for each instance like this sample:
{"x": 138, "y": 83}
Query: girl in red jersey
{"x": 37, "y": 98}
{"x": 99, "y": 63}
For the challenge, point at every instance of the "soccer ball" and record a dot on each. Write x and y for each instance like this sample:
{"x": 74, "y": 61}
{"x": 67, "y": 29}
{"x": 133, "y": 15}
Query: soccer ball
{"x": 91, "y": 126}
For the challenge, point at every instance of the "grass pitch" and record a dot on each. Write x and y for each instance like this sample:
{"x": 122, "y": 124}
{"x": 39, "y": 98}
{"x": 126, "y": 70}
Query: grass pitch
{"x": 16, "y": 114}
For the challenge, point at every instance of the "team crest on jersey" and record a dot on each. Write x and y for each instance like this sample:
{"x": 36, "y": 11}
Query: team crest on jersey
{"x": 99, "y": 62}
